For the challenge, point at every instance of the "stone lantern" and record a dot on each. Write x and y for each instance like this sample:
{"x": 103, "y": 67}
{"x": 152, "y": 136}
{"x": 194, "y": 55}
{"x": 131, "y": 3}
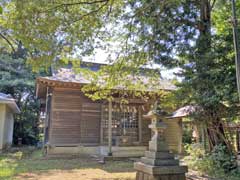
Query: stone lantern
{"x": 158, "y": 163}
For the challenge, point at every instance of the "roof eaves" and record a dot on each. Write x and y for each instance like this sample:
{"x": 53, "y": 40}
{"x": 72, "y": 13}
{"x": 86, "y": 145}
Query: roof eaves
{"x": 12, "y": 105}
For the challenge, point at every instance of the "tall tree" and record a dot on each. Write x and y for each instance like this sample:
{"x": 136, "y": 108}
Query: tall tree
{"x": 18, "y": 80}
{"x": 168, "y": 32}
{"x": 183, "y": 33}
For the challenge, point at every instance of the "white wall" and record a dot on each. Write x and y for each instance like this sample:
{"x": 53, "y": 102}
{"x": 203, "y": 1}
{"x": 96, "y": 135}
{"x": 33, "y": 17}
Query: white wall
{"x": 2, "y": 119}
{"x": 8, "y": 128}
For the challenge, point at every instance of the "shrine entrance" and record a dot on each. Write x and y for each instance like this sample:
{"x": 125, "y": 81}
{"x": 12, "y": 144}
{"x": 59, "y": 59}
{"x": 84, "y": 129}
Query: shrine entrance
{"x": 126, "y": 124}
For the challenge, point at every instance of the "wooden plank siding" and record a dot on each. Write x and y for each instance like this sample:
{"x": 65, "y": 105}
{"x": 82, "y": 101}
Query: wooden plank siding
{"x": 90, "y": 122}
{"x": 173, "y": 134}
{"x": 75, "y": 119}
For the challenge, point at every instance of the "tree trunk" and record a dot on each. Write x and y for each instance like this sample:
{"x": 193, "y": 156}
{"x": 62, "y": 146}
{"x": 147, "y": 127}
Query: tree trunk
{"x": 204, "y": 27}
{"x": 215, "y": 130}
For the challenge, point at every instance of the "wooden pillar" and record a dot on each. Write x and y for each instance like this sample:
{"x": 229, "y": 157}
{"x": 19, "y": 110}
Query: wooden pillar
{"x": 180, "y": 145}
{"x": 101, "y": 124}
{"x": 46, "y": 117}
{"x": 110, "y": 128}
{"x": 238, "y": 140}
{"x": 238, "y": 147}
{"x": 139, "y": 125}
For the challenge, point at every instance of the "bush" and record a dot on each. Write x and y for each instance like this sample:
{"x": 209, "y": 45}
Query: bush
{"x": 223, "y": 159}
{"x": 187, "y": 136}
{"x": 219, "y": 163}
{"x": 26, "y": 125}
{"x": 196, "y": 158}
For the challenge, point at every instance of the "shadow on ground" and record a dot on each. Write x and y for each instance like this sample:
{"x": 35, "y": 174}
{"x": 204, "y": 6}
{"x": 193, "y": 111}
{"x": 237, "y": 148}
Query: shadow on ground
{"x": 31, "y": 164}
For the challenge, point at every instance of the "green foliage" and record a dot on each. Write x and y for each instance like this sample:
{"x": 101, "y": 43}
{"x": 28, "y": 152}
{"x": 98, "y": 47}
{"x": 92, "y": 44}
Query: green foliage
{"x": 223, "y": 159}
{"x": 26, "y": 125}
{"x": 209, "y": 73}
{"x": 18, "y": 80}
{"x": 196, "y": 151}
{"x": 57, "y": 29}
{"x": 171, "y": 33}
{"x": 191, "y": 34}
{"x": 219, "y": 163}
{"x": 143, "y": 30}
{"x": 187, "y": 136}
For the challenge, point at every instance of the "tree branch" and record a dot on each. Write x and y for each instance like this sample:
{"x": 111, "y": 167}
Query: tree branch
{"x": 9, "y": 43}
{"x": 89, "y": 13}
{"x": 213, "y": 3}
{"x": 76, "y": 3}
{"x": 185, "y": 22}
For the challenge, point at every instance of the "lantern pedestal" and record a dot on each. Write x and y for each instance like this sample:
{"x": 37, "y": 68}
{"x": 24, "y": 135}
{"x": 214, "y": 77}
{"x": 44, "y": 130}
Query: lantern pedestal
{"x": 158, "y": 163}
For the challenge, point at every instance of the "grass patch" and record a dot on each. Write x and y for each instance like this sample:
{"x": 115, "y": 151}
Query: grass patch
{"x": 29, "y": 160}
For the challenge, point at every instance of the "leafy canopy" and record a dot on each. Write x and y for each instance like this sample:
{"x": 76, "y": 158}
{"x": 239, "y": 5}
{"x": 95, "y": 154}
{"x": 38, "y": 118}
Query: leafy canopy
{"x": 172, "y": 33}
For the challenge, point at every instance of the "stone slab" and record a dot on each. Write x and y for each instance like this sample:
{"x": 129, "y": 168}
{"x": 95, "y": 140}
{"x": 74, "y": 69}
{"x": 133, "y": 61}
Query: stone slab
{"x": 119, "y": 151}
{"x": 160, "y": 170}
{"x": 238, "y": 161}
{"x": 145, "y": 176}
{"x": 159, "y": 155}
{"x": 76, "y": 150}
{"x": 158, "y": 146}
{"x": 130, "y": 151}
{"x": 160, "y": 162}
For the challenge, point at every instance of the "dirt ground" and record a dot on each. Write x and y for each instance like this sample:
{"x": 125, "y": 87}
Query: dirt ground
{"x": 88, "y": 174}
{"x": 31, "y": 165}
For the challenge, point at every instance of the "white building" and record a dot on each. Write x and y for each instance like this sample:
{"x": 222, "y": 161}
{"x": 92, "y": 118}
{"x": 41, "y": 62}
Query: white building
{"x": 7, "y": 108}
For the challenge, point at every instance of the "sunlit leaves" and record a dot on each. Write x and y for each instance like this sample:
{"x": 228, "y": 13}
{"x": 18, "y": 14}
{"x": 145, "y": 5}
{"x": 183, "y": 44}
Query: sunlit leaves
{"x": 49, "y": 29}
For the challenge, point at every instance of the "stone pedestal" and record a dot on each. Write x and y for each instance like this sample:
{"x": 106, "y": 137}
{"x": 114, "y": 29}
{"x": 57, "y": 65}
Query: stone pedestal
{"x": 158, "y": 163}
{"x": 238, "y": 162}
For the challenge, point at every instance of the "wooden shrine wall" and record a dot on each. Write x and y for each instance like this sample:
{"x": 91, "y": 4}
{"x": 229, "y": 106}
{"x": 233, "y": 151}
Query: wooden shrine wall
{"x": 75, "y": 119}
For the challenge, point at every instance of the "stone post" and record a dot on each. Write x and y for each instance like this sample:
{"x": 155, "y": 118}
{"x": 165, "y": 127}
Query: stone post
{"x": 158, "y": 163}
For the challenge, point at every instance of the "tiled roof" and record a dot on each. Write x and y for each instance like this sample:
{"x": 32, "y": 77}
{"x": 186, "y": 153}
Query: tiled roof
{"x": 68, "y": 75}
{"x": 5, "y": 97}
{"x": 185, "y": 111}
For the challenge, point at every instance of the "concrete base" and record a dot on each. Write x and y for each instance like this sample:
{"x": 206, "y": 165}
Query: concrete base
{"x": 76, "y": 150}
{"x": 159, "y": 162}
{"x": 159, "y": 155}
{"x": 238, "y": 161}
{"x": 119, "y": 151}
{"x": 130, "y": 151}
{"x": 160, "y": 170}
{"x": 148, "y": 172}
{"x": 145, "y": 176}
